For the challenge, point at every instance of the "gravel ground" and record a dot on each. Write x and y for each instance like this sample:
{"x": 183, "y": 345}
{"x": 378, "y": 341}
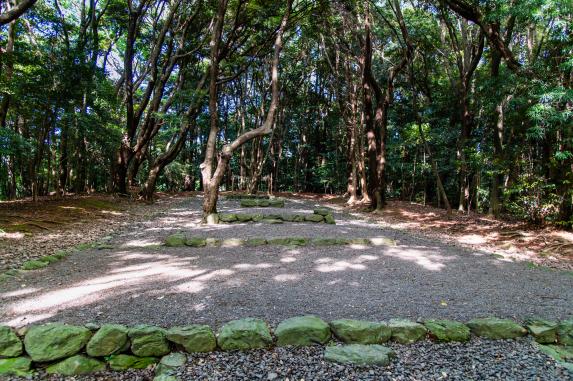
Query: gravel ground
{"x": 476, "y": 360}
{"x": 140, "y": 282}
{"x": 13, "y": 253}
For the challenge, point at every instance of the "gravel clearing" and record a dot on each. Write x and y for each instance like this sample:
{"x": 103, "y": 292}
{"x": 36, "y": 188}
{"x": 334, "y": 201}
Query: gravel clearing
{"x": 139, "y": 281}
{"x": 476, "y": 360}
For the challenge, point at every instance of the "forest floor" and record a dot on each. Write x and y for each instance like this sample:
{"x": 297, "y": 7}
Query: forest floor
{"x": 410, "y": 274}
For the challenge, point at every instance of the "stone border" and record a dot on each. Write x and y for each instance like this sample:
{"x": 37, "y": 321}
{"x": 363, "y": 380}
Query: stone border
{"x": 45, "y": 261}
{"x": 320, "y": 215}
{"x": 263, "y": 203}
{"x": 72, "y": 350}
{"x": 247, "y": 197}
{"x": 180, "y": 240}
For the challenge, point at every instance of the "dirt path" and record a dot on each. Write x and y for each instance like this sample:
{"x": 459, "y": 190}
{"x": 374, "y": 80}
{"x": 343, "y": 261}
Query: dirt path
{"x": 140, "y": 282}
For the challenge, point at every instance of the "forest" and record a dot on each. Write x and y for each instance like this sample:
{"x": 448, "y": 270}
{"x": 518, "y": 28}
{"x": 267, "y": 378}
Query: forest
{"x": 461, "y": 104}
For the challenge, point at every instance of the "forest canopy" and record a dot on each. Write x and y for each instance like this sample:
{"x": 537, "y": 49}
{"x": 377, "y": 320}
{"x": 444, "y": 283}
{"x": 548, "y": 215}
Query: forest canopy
{"x": 462, "y": 104}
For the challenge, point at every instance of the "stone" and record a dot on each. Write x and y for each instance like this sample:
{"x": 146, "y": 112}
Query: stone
{"x": 271, "y": 221}
{"x": 193, "y": 338}
{"x": 298, "y": 218}
{"x": 277, "y": 203}
{"x": 361, "y": 332}
{"x": 175, "y": 240}
{"x": 495, "y": 328}
{"x": 34, "y": 265}
{"x": 174, "y": 360}
{"x": 257, "y": 217}
{"x": 560, "y": 353}
{"x": 108, "y": 340}
{"x": 255, "y": 242}
{"x": 249, "y": 203}
{"x": 322, "y": 211}
{"x": 232, "y": 242}
{"x": 196, "y": 242}
{"x": 244, "y": 334}
{"x": 302, "y": 331}
{"x": 227, "y": 217}
{"x": 329, "y": 219}
{"x": 244, "y": 217}
{"x": 288, "y": 241}
{"x": 288, "y": 217}
{"x": 328, "y": 241}
{"x": 213, "y": 242}
{"x": 76, "y": 365}
{"x": 55, "y": 341}
{"x": 124, "y": 362}
{"x": 358, "y": 241}
{"x": 16, "y": 366}
{"x": 565, "y": 332}
{"x": 544, "y": 331}
{"x": 447, "y": 330}
{"x": 148, "y": 341}
{"x": 406, "y": 331}
{"x": 314, "y": 218}
{"x": 10, "y": 344}
{"x": 359, "y": 354}
{"x": 263, "y": 203}
{"x": 212, "y": 219}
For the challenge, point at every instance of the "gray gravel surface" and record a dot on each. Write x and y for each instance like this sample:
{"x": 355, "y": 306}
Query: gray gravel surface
{"x": 140, "y": 282}
{"x": 476, "y": 360}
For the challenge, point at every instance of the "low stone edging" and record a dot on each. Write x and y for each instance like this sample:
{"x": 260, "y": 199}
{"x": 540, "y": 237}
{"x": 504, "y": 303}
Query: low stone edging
{"x": 180, "y": 240}
{"x": 71, "y": 350}
{"x": 263, "y": 203}
{"x": 247, "y": 197}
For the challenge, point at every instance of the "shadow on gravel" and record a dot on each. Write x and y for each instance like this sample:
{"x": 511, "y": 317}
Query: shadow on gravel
{"x": 141, "y": 282}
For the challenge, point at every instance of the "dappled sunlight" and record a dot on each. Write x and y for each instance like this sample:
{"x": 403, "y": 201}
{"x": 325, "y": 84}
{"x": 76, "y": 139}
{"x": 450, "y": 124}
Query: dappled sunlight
{"x": 140, "y": 243}
{"x": 21, "y": 292}
{"x": 288, "y": 259}
{"x": 250, "y": 266}
{"x": 327, "y": 265}
{"x": 432, "y": 262}
{"x": 287, "y": 277}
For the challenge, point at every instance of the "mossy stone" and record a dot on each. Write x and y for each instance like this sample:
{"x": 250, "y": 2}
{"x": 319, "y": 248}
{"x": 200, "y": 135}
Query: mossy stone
{"x": 361, "y": 332}
{"x": 124, "y": 362}
{"x": 257, "y": 217}
{"x": 249, "y": 203}
{"x": 108, "y": 340}
{"x": 228, "y": 217}
{"x": 196, "y": 242}
{"x": 447, "y": 330}
{"x": 288, "y": 241}
{"x": 175, "y": 240}
{"x": 148, "y": 341}
{"x": 544, "y": 331}
{"x": 16, "y": 366}
{"x": 314, "y": 218}
{"x": 244, "y": 334}
{"x": 495, "y": 328}
{"x": 193, "y": 338}
{"x": 244, "y": 217}
{"x": 359, "y": 354}
{"x": 322, "y": 211}
{"x": 10, "y": 344}
{"x": 329, "y": 219}
{"x": 76, "y": 365}
{"x": 328, "y": 241}
{"x": 55, "y": 341}
{"x": 406, "y": 331}
{"x": 565, "y": 332}
{"x": 302, "y": 331}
